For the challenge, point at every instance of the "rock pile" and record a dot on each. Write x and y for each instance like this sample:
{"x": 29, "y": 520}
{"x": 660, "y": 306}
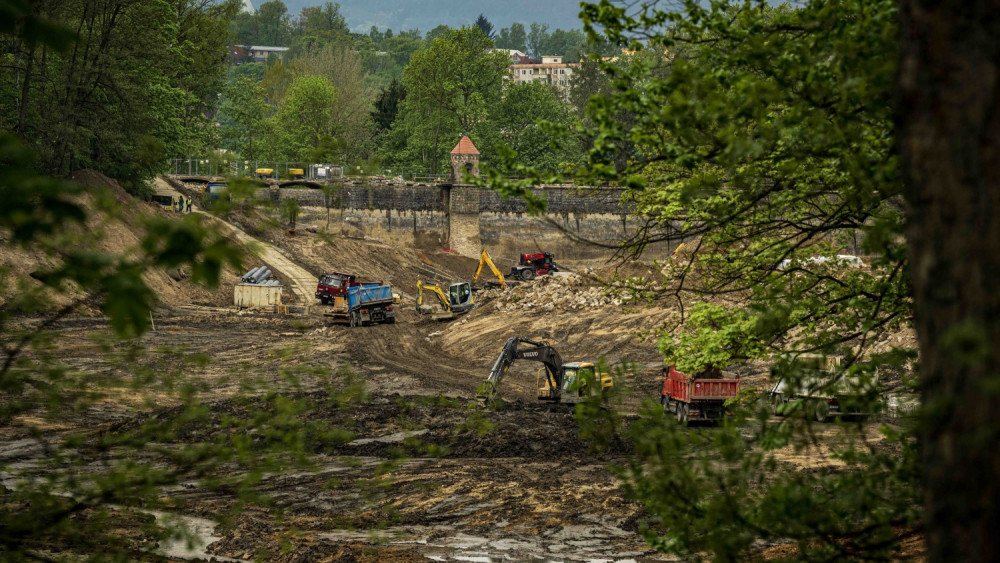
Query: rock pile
{"x": 555, "y": 293}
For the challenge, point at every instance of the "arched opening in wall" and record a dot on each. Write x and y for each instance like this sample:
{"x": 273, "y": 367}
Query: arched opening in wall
{"x": 468, "y": 168}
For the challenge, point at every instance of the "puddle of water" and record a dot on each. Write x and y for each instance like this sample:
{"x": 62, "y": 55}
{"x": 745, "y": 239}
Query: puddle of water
{"x": 198, "y": 534}
{"x": 391, "y": 438}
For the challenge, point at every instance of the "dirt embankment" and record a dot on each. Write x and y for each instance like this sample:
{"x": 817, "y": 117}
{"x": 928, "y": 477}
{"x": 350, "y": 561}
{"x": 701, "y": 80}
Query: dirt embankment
{"x": 116, "y": 230}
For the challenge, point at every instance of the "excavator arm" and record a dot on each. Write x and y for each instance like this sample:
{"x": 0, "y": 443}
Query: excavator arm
{"x": 485, "y": 259}
{"x": 434, "y": 289}
{"x": 534, "y": 351}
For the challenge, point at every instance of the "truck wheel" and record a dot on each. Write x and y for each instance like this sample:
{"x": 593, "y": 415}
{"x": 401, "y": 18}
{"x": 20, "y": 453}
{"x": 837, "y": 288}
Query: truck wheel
{"x": 682, "y": 413}
{"x": 351, "y": 320}
{"x": 392, "y": 320}
{"x": 527, "y": 275}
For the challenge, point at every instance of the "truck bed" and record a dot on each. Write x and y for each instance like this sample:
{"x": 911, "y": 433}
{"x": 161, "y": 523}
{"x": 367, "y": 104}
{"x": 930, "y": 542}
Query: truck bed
{"x": 684, "y": 388}
{"x": 369, "y": 295}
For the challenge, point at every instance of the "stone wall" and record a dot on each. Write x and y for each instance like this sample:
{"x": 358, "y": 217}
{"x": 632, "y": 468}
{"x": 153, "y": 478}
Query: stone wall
{"x": 467, "y": 218}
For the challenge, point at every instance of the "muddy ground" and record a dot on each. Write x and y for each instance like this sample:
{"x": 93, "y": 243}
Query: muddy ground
{"x": 411, "y": 469}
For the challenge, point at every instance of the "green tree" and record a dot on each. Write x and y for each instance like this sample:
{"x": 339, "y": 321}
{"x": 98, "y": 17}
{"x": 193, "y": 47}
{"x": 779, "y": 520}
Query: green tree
{"x": 387, "y": 106}
{"x": 306, "y": 116}
{"x": 436, "y": 32}
{"x": 450, "y": 86}
{"x": 124, "y": 97}
{"x": 485, "y": 26}
{"x": 513, "y": 37}
{"x": 273, "y": 27}
{"x": 767, "y": 137}
{"x": 246, "y": 109}
{"x": 532, "y": 119}
{"x": 537, "y": 38}
{"x": 351, "y": 114}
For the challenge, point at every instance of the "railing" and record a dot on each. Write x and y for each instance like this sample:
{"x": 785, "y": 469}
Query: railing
{"x": 279, "y": 170}
{"x": 312, "y": 171}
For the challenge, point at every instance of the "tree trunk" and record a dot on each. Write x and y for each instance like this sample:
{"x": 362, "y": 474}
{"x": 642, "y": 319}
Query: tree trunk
{"x": 949, "y": 139}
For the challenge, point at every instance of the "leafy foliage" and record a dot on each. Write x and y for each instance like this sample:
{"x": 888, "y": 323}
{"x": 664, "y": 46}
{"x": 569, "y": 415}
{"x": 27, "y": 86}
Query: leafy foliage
{"x": 762, "y": 138}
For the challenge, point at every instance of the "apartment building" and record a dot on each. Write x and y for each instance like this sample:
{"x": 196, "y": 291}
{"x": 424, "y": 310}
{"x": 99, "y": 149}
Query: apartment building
{"x": 550, "y": 70}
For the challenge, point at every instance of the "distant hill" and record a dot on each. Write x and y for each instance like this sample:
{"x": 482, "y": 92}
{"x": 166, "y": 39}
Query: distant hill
{"x": 428, "y": 14}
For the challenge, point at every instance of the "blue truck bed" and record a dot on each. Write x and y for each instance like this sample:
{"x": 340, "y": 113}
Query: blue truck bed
{"x": 368, "y": 294}
{"x": 370, "y": 304}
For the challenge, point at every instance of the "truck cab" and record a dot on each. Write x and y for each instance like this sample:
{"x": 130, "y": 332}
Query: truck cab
{"x": 333, "y": 285}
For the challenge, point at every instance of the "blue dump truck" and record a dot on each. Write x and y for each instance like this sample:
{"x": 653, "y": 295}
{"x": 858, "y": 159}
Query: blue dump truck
{"x": 370, "y": 303}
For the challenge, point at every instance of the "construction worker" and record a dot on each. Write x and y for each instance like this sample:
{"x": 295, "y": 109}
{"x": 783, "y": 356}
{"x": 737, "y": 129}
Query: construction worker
{"x": 188, "y": 204}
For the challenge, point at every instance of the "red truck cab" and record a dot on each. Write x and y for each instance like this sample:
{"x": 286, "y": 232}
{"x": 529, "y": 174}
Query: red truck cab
{"x": 333, "y": 285}
{"x": 702, "y": 397}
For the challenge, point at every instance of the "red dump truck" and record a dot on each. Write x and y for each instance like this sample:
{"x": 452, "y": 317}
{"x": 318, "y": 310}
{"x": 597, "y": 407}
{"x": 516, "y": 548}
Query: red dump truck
{"x": 697, "y": 398}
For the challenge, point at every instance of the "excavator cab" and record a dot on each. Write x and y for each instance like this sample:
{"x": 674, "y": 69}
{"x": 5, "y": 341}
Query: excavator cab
{"x": 579, "y": 380}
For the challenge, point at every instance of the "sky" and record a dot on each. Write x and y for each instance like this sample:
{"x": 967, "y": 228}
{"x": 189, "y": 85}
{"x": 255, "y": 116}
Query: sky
{"x": 427, "y": 14}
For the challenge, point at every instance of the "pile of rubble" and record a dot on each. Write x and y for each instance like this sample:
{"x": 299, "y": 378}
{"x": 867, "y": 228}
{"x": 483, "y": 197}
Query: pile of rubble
{"x": 555, "y": 293}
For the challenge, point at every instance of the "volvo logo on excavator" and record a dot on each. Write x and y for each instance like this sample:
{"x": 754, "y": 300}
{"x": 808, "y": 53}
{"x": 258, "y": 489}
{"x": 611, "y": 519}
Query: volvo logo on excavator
{"x": 529, "y": 354}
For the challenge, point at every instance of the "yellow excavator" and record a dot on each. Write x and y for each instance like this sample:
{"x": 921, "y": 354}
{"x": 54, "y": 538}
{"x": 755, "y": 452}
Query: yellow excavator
{"x": 556, "y": 381}
{"x": 486, "y": 260}
{"x": 456, "y": 301}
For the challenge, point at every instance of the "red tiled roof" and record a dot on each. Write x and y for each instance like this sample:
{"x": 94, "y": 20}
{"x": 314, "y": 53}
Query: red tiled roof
{"x": 465, "y": 146}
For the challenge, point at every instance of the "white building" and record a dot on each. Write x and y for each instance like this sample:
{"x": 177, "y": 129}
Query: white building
{"x": 550, "y": 71}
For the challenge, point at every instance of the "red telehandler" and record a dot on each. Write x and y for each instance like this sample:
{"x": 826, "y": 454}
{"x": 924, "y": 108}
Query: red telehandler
{"x": 534, "y": 265}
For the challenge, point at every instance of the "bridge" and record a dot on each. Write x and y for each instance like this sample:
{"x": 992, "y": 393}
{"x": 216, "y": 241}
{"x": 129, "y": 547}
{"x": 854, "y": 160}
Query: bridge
{"x": 312, "y": 184}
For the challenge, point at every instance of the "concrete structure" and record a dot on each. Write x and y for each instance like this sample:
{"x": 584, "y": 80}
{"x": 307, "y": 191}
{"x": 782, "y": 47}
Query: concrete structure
{"x": 550, "y": 71}
{"x": 253, "y": 296}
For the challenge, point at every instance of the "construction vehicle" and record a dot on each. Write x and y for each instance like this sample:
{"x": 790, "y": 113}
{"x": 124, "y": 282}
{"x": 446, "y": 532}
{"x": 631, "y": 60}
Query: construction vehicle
{"x": 458, "y": 300}
{"x": 333, "y": 285}
{"x": 556, "y": 382}
{"x": 486, "y": 260}
{"x": 264, "y": 173}
{"x": 824, "y": 389}
{"x": 697, "y": 398}
{"x": 370, "y": 304}
{"x": 297, "y": 173}
{"x": 534, "y": 265}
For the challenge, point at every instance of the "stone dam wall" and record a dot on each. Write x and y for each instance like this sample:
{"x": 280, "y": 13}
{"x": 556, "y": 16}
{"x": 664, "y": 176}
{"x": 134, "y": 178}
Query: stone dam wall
{"x": 466, "y": 218}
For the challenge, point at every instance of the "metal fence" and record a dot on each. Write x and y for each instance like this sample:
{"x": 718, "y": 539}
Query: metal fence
{"x": 257, "y": 168}
{"x": 289, "y": 170}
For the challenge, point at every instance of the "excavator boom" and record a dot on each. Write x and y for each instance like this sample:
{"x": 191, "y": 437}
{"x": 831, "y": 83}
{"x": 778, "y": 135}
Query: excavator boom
{"x": 535, "y": 351}
{"x": 487, "y": 260}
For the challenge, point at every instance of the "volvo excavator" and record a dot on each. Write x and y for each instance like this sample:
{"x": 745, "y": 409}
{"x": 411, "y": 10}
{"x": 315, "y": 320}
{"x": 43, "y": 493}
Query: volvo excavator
{"x": 556, "y": 382}
{"x": 458, "y": 300}
{"x": 486, "y": 260}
